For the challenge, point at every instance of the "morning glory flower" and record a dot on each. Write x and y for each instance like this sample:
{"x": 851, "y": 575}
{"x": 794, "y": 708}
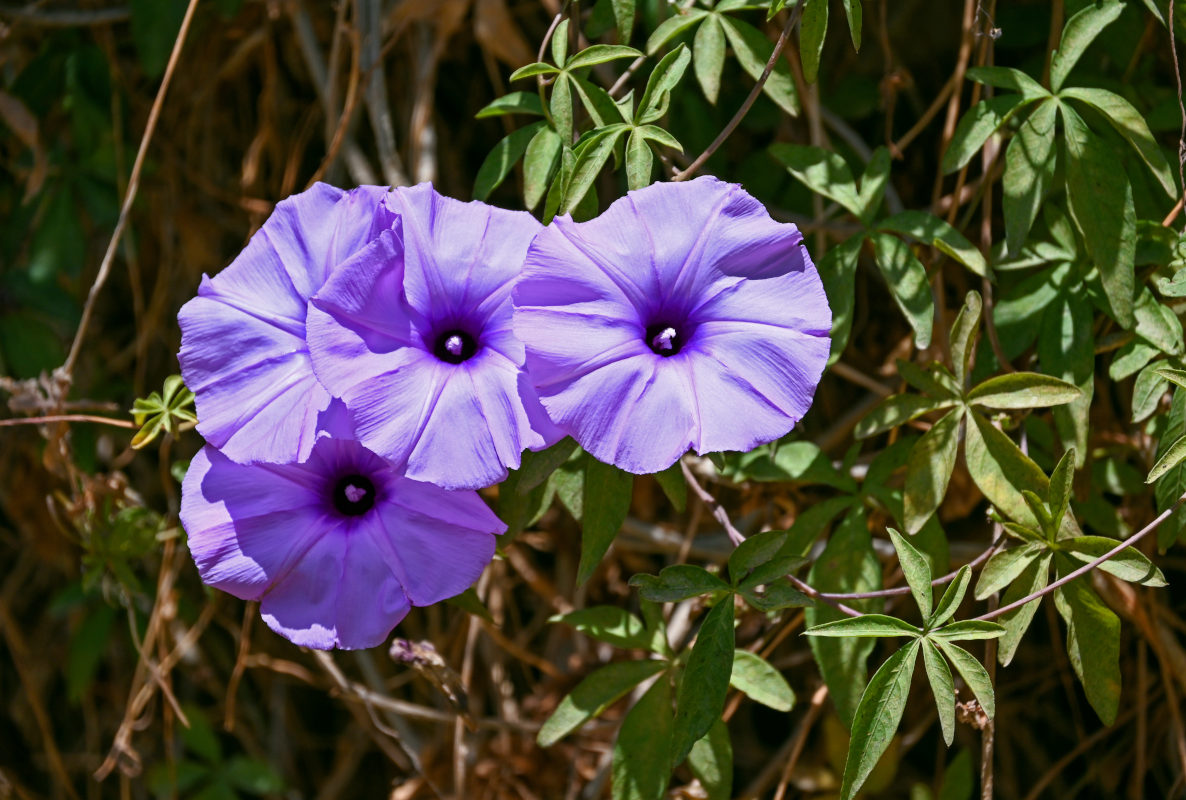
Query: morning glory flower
{"x": 421, "y": 348}
{"x": 683, "y": 317}
{"x": 243, "y": 349}
{"x": 338, "y": 548}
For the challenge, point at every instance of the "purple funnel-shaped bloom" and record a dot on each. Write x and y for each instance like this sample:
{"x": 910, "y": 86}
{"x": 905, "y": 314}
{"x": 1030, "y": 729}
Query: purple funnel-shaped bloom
{"x": 243, "y": 347}
{"x": 422, "y": 351}
{"x": 336, "y": 548}
{"x": 683, "y": 317}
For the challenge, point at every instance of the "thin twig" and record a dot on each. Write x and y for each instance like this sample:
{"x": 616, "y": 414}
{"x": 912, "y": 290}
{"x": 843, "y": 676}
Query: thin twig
{"x": 118, "y": 423}
{"x": 1086, "y": 568}
{"x": 792, "y": 20}
{"x": 1181, "y": 106}
{"x": 902, "y": 590}
{"x": 66, "y": 371}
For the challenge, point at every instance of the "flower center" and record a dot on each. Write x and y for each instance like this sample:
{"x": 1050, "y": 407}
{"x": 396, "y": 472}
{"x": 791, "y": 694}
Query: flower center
{"x": 664, "y": 339}
{"x": 454, "y": 346}
{"x": 354, "y": 495}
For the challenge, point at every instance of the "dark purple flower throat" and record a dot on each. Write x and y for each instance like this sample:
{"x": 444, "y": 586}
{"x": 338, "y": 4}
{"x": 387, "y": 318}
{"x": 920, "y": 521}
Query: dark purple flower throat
{"x": 665, "y": 338}
{"x": 454, "y": 346}
{"x": 354, "y": 495}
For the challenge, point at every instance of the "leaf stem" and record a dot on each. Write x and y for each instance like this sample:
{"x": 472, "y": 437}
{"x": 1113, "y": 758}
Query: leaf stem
{"x": 1083, "y": 570}
{"x": 119, "y": 423}
{"x": 898, "y": 591}
{"x": 691, "y": 169}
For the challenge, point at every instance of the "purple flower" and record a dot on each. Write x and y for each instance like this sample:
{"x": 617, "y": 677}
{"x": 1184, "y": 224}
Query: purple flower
{"x": 421, "y": 350}
{"x": 336, "y": 548}
{"x": 243, "y": 347}
{"x": 683, "y": 317}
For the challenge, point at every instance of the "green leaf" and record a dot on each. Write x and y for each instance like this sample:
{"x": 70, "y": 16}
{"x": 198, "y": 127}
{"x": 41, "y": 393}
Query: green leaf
{"x": 589, "y": 162}
{"x": 864, "y": 626}
{"x": 1174, "y": 376}
{"x": 952, "y": 597}
{"x": 933, "y": 380}
{"x": 1066, "y": 350}
{"x": 1061, "y": 482}
{"x": 753, "y": 50}
{"x": 1172, "y": 457}
{"x": 928, "y": 471}
{"x": 1029, "y": 170}
{"x": 602, "y": 108}
{"x": 559, "y": 44}
{"x": 469, "y": 602}
{"x": 640, "y": 161}
{"x": 812, "y": 29}
{"x": 969, "y": 629}
{"x": 665, "y": 77}
{"x": 852, "y": 10}
{"x": 560, "y": 106}
{"x": 779, "y": 594}
{"x": 532, "y": 70}
{"x": 1101, "y": 203}
{"x": 672, "y": 27}
{"x": 1093, "y": 644}
{"x": 1157, "y": 323}
{"x": 916, "y": 569}
{"x": 600, "y": 54}
{"x": 822, "y": 171}
{"x": 1000, "y": 469}
{"x": 929, "y": 229}
{"x": 711, "y": 762}
{"x": 1008, "y": 78}
{"x": 759, "y": 681}
{"x": 1023, "y": 390}
{"x": 847, "y": 564}
{"x": 252, "y": 777}
{"x": 973, "y": 673}
{"x": 756, "y": 551}
{"x": 623, "y": 17}
{"x": 873, "y": 184}
{"x": 908, "y": 283}
{"x": 877, "y": 717}
{"x": 963, "y": 331}
{"x": 678, "y": 582}
{"x": 708, "y": 57}
{"x": 942, "y": 686}
{"x": 605, "y": 505}
{"x": 975, "y": 127}
{"x": 594, "y": 695}
{"x": 1080, "y": 31}
{"x": 611, "y": 624}
{"x": 155, "y": 25}
{"x": 1147, "y": 391}
{"x": 1130, "y": 124}
{"x": 671, "y": 481}
{"x": 641, "y": 759}
{"x": 1003, "y": 567}
{"x": 1130, "y": 564}
{"x": 539, "y": 165}
{"x": 892, "y": 412}
{"x": 1032, "y": 580}
{"x": 502, "y": 159}
{"x": 705, "y": 681}
{"x": 513, "y": 103}
{"x": 838, "y": 269}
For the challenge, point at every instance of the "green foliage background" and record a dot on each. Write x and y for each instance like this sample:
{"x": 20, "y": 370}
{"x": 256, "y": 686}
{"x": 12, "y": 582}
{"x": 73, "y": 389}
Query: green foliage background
{"x": 991, "y": 193}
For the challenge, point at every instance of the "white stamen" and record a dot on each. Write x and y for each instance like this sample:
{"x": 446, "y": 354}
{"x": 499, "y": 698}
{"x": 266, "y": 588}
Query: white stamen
{"x": 455, "y": 344}
{"x": 664, "y": 340}
{"x": 354, "y": 493}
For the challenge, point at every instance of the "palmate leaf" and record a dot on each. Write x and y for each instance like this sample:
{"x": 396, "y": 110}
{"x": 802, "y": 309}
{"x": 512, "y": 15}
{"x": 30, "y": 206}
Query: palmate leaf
{"x": 539, "y": 165}
{"x": 968, "y": 629}
{"x": 759, "y": 681}
{"x": 942, "y": 686}
{"x": 847, "y": 564}
{"x": 641, "y": 758}
{"x": 1033, "y": 579}
{"x": 1171, "y": 458}
{"x": 928, "y": 472}
{"x": 1101, "y": 203}
{"x": 1004, "y": 567}
{"x": 908, "y": 284}
{"x": 611, "y": 624}
{"x": 711, "y": 761}
{"x": 1080, "y": 30}
{"x": 1022, "y": 390}
{"x": 877, "y": 717}
{"x": 165, "y": 411}
{"x": 1130, "y": 124}
{"x": 1130, "y": 564}
{"x": 512, "y": 103}
{"x": 963, "y": 332}
{"x": 973, "y": 673}
{"x": 1029, "y": 171}
{"x": 929, "y": 229}
{"x": 974, "y": 128}
{"x": 1066, "y": 348}
{"x": 673, "y": 26}
{"x": 866, "y": 625}
{"x": 605, "y": 505}
{"x": 705, "y": 681}
{"x": 1000, "y": 469}
{"x": 595, "y": 694}
{"x": 708, "y": 57}
{"x": 893, "y": 411}
{"x": 665, "y": 77}
{"x": 753, "y": 50}
{"x": 1093, "y": 642}
{"x": 502, "y": 159}
{"x": 917, "y": 571}
{"x": 678, "y": 582}
{"x": 838, "y": 269}
{"x": 952, "y": 597}
{"x": 822, "y": 171}
{"x": 1008, "y": 78}
{"x": 812, "y": 29}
